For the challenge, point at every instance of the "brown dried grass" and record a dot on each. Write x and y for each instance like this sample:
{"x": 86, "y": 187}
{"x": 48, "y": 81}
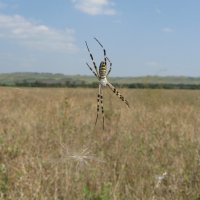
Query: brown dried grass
{"x": 50, "y": 149}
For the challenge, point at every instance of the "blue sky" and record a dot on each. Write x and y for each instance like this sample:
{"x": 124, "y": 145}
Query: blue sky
{"x": 142, "y": 37}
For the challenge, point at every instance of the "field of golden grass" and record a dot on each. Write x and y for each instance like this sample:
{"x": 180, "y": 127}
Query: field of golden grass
{"x": 50, "y": 148}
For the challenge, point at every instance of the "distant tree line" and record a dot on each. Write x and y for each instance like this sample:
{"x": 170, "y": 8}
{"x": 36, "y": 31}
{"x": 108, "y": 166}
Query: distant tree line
{"x": 53, "y": 83}
{"x": 80, "y": 83}
{"x": 163, "y": 86}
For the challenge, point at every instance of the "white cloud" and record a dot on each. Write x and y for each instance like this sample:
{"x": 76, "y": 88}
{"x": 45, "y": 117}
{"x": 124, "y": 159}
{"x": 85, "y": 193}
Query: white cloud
{"x": 37, "y": 36}
{"x": 168, "y": 30}
{"x": 95, "y": 7}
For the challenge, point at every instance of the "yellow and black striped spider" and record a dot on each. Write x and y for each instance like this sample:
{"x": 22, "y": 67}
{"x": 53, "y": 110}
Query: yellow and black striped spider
{"x": 101, "y": 75}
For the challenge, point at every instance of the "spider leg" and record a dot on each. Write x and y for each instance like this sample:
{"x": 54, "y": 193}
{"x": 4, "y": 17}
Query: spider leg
{"x": 92, "y": 70}
{"x": 117, "y": 93}
{"x": 101, "y": 96}
{"x": 104, "y": 51}
{"x": 91, "y": 56}
{"x": 98, "y": 99}
{"x": 110, "y": 66}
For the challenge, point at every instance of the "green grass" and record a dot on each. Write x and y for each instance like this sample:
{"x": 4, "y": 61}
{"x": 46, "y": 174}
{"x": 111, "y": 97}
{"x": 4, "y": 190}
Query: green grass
{"x": 50, "y": 148}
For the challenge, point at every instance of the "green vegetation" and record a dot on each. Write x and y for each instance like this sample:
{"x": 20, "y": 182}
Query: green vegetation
{"x": 50, "y": 148}
{"x": 61, "y": 80}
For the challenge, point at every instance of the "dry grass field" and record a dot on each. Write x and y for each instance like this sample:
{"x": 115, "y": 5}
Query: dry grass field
{"x": 51, "y": 150}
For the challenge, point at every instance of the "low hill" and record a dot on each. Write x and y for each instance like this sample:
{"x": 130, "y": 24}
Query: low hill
{"x": 61, "y": 80}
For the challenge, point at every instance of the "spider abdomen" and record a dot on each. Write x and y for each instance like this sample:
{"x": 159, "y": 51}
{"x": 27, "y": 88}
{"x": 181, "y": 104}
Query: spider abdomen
{"x": 102, "y": 70}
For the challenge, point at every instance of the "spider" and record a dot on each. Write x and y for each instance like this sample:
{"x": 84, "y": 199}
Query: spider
{"x": 102, "y": 75}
